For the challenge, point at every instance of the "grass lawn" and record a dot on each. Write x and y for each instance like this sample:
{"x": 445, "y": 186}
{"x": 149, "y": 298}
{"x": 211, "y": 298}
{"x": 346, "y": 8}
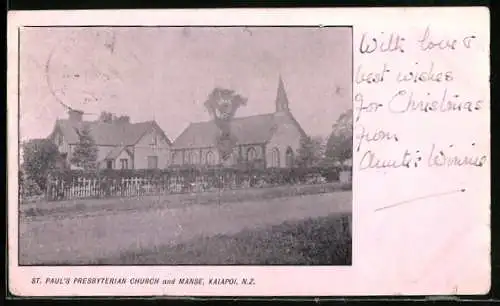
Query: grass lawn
{"x": 318, "y": 241}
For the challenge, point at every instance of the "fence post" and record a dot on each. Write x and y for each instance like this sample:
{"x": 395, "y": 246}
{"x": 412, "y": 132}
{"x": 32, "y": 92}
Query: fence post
{"x": 47, "y": 187}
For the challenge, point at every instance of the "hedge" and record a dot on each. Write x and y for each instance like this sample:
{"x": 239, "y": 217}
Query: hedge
{"x": 286, "y": 174}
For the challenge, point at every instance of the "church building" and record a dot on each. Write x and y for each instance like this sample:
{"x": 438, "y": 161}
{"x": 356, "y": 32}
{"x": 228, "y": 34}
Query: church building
{"x": 265, "y": 140}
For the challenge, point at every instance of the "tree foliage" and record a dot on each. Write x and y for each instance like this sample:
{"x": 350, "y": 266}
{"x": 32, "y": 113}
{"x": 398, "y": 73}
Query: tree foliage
{"x": 222, "y": 105}
{"x": 311, "y": 151}
{"x": 339, "y": 144}
{"x": 85, "y": 153}
{"x": 39, "y": 157}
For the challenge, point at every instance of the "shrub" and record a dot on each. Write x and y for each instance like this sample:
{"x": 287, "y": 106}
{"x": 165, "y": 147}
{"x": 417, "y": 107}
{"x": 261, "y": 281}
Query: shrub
{"x": 188, "y": 179}
{"x": 30, "y": 188}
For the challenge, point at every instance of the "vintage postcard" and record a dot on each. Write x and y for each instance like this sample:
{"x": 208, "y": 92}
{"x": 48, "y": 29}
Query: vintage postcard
{"x": 263, "y": 152}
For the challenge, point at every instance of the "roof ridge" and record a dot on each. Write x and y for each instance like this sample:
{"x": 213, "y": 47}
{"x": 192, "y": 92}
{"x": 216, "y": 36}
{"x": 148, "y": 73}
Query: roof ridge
{"x": 182, "y": 133}
{"x": 236, "y": 118}
{"x": 142, "y": 122}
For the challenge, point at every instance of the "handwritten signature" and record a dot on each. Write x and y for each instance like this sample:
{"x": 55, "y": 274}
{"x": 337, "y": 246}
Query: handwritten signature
{"x": 435, "y": 158}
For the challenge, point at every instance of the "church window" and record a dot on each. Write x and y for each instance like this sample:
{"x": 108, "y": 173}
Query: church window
{"x": 251, "y": 154}
{"x": 194, "y": 157}
{"x": 188, "y": 158}
{"x": 235, "y": 156}
{"x": 124, "y": 163}
{"x": 59, "y": 139}
{"x": 210, "y": 158}
{"x": 275, "y": 157}
{"x": 289, "y": 157}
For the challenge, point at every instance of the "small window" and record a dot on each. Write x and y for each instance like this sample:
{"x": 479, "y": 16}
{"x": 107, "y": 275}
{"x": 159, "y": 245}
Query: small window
{"x": 58, "y": 139}
{"x": 109, "y": 164}
{"x": 187, "y": 158}
{"x": 210, "y": 158}
{"x": 154, "y": 141}
{"x": 174, "y": 158}
{"x": 289, "y": 157}
{"x": 152, "y": 162}
{"x": 235, "y": 157}
{"x": 275, "y": 158}
{"x": 251, "y": 154}
{"x": 124, "y": 163}
{"x": 194, "y": 158}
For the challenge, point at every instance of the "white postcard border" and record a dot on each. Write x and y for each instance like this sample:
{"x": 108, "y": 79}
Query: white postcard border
{"x": 359, "y": 279}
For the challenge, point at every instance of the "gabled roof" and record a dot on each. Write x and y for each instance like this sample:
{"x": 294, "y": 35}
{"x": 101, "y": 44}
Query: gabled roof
{"x": 257, "y": 129}
{"x": 113, "y": 154}
{"x": 112, "y": 134}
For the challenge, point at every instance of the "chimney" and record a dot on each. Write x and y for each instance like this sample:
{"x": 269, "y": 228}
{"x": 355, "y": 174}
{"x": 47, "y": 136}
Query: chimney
{"x": 75, "y": 115}
{"x": 123, "y": 119}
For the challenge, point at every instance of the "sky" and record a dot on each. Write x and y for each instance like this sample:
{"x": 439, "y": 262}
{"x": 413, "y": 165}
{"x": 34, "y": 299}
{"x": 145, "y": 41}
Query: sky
{"x": 166, "y": 74}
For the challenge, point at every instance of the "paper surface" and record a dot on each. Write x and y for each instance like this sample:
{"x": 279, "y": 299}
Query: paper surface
{"x": 421, "y": 178}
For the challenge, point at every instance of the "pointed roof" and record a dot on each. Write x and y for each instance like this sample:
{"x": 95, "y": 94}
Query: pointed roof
{"x": 246, "y": 130}
{"x": 258, "y": 129}
{"x": 116, "y": 151}
{"x": 111, "y": 134}
{"x": 281, "y": 96}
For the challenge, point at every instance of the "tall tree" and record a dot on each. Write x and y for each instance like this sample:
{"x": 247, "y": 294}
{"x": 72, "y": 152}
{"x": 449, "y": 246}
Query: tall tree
{"x": 39, "y": 157}
{"x": 311, "y": 151}
{"x": 222, "y": 105}
{"x": 85, "y": 153}
{"x": 339, "y": 145}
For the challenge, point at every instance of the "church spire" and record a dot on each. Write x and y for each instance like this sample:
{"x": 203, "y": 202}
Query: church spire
{"x": 281, "y": 97}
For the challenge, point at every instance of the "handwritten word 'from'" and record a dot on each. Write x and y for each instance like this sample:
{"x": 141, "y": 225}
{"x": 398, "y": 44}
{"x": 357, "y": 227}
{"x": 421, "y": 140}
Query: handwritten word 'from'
{"x": 395, "y": 42}
{"x": 378, "y": 135}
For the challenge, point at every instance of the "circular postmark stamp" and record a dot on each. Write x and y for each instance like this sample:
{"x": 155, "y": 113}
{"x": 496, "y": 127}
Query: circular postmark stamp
{"x": 92, "y": 68}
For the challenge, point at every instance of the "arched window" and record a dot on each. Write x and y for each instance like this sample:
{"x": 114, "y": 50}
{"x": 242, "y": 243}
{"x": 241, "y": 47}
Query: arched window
{"x": 60, "y": 139}
{"x": 275, "y": 158}
{"x": 173, "y": 157}
{"x": 251, "y": 154}
{"x": 210, "y": 158}
{"x": 289, "y": 157}
{"x": 194, "y": 158}
{"x": 188, "y": 158}
{"x": 234, "y": 157}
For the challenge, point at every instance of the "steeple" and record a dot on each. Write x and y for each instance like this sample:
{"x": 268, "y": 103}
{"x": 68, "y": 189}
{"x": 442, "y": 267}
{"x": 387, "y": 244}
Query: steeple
{"x": 281, "y": 97}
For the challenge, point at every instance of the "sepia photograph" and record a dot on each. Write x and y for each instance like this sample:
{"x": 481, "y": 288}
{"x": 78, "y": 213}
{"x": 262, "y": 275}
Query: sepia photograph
{"x": 299, "y": 152}
{"x": 172, "y": 145}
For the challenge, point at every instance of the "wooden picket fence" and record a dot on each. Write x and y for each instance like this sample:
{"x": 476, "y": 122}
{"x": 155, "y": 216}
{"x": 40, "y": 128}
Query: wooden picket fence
{"x": 125, "y": 187}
